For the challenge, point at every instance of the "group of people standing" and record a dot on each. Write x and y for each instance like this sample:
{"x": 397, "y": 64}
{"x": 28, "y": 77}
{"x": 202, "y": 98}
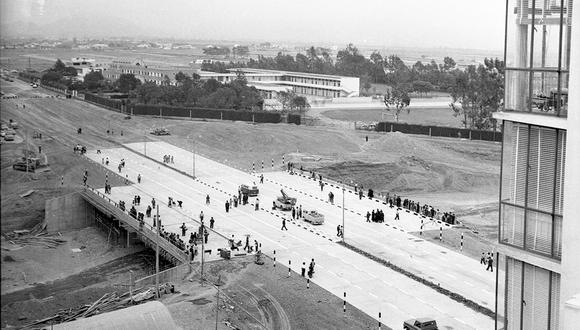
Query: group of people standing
{"x": 375, "y": 216}
{"x": 168, "y": 159}
{"x": 487, "y": 260}
{"x": 310, "y": 269}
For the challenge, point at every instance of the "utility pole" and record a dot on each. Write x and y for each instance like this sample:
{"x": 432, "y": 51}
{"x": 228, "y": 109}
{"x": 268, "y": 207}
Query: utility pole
{"x": 193, "y": 151}
{"x": 217, "y": 304}
{"x": 343, "y": 212}
{"x": 157, "y": 256}
{"x": 145, "y": 143}
{"x": 202, "y": 249}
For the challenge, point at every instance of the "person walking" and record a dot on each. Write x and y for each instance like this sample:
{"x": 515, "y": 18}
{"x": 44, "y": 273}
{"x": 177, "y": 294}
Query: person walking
{"x": 257, "y": 205}
{"x": 183, "y": 229}
{"x": 397, "y": 215}
{"x": 207, "y": 200}
{"x": 293, "y": 213}
{"x": 490, "y": 263}
{"x": 338, "y": 230}
{"x": 303, "y": 273}
{"x": 247, "y": 246}
{"x": 261, "y": 178}
{"x": 201, "y": 216}
{"x": 368, "y": 216}
{"x": 205, "y": 235}
{"x": 227, "y": 206}
{"x": 211, "y": 223}
{"x": 139, "y": 178}
{"x": 283, "y": 224}
{"x": 482, "y": 261}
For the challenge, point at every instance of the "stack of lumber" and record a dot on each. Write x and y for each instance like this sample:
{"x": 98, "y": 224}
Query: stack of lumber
{"x": 36, "y": 236}
{"x": 107, "y": 303}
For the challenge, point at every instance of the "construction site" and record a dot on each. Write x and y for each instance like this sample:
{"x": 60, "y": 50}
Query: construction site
{"x": 195, "y": 224}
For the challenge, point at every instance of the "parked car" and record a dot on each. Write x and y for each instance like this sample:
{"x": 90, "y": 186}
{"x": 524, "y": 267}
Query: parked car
{"x": 423, "y": 323}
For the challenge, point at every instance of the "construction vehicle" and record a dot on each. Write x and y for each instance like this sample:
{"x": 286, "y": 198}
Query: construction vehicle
{"x": 160, "y": 131}
{"x": 284, "y": 202}
{"x": 313, "y": 217}
{"x": 33, "y": 164}
{"x": 251, "y": 191}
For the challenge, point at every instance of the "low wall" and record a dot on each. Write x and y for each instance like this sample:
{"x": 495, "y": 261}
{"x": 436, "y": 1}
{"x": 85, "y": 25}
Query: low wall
{"x": 452, "y": 132}
{"x": 68, "y": 212}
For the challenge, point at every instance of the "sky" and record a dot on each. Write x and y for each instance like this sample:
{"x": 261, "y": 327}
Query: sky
{"x": 475, "y": 24}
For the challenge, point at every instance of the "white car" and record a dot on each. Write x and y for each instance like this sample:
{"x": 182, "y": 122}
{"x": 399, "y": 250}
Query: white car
{"x": 313, "y": 217}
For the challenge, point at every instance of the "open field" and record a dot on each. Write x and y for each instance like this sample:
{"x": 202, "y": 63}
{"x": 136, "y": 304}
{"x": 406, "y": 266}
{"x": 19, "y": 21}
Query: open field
{"x": 421, "y": 116}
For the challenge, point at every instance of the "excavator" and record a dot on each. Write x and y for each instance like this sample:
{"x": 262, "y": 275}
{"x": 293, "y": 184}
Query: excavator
{"x": 284, "y": 202}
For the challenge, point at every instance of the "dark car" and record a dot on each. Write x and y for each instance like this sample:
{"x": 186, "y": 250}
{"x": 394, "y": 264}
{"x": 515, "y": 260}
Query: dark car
{"x": 423, "y": 323}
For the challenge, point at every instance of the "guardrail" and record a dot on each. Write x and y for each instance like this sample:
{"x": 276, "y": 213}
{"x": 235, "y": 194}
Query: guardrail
{"x": 147, "y": 231}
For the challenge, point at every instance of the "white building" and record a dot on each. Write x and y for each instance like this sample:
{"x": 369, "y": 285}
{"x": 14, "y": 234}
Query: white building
{"x": 539, "y": 224}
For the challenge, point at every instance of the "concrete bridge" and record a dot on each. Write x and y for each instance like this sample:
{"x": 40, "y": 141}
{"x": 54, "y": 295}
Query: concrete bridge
{"x": 91, "y": 207}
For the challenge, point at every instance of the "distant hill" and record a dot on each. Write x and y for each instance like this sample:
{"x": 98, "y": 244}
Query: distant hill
{"x": 73, "y": 27}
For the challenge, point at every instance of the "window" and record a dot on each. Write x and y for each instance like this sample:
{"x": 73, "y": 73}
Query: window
{"x": 531, "y": 296}
{"x": 537, "y": 56}
{"x": 532, "y": 188}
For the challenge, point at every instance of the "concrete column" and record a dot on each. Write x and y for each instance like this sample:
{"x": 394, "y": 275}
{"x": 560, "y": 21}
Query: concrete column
{"x": 570, "y": 285}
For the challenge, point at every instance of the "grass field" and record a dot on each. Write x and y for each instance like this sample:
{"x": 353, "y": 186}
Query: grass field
{"x": 423, "y": 116}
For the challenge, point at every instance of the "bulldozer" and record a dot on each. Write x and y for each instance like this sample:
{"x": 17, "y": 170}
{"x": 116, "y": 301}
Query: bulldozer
{"x": 284, "y": 202}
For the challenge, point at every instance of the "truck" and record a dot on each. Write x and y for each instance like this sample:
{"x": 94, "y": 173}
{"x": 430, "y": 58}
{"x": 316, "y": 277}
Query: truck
{"x": 284, "y": 202}
{"x": 313, "y": 217}
{"x": 251, "y": 191}
{"x": 423, "y": 323}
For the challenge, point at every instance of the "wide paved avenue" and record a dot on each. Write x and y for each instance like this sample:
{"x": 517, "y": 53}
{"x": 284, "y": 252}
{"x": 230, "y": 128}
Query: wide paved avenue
{"x": 371, "y": 287}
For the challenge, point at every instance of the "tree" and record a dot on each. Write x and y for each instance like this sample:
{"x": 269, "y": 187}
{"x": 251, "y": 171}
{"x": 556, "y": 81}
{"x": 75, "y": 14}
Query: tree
{"x": 300, "y": 103}
{"x": 127, "y": 82}
{"x": 148, "y": 93}
{"x": 59, "y": 66}
{"x": 51, "y": 77}
{"x": 94, "y": 80}
{"x": 365, "y": 83}
{"x": 477, "y": 93}
{"x": 422, "y": 87}
{"x": 69, "y": 71}
{"x": 396, "y": 100}
{"x": 448, "y": 63}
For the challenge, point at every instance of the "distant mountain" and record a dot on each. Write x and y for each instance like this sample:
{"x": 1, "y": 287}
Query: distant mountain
{"x": 74, "y": 27}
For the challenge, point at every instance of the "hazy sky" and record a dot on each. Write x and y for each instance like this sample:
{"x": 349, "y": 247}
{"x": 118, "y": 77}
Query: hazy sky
{"x": 413, "y": 23}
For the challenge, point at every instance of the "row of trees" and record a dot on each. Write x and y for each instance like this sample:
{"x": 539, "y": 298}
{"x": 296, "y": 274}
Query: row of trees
{"x": 191, "y": 91}
{"x": 477, "y": 90}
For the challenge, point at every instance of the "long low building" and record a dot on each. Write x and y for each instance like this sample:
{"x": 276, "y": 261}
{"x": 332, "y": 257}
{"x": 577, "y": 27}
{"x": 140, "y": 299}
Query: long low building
{"x": 311, "y": 85}
{"x": 268, "y": 82}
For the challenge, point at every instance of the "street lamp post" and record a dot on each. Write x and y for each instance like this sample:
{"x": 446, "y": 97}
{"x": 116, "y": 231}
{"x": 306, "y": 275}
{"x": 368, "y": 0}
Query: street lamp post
{"x": 202, "y": 248}
{"x": 157, "y": 255}
{"x": 193, "y": 151}
{"x": 343, "y": 211}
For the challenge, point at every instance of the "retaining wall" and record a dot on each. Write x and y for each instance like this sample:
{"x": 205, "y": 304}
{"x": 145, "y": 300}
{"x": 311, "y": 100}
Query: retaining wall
{"x": 68, "y": 212}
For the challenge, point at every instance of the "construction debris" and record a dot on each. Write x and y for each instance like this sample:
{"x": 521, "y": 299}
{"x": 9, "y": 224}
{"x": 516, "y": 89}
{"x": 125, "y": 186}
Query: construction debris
{"x": 36, "y": 236}
{"x": 107, "y": 303}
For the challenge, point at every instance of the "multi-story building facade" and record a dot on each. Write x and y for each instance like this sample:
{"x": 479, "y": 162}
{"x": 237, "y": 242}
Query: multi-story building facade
{"x": 268, "y": 82}
{"x": 144, "y": 71}
{"x": 538, "y": 282}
